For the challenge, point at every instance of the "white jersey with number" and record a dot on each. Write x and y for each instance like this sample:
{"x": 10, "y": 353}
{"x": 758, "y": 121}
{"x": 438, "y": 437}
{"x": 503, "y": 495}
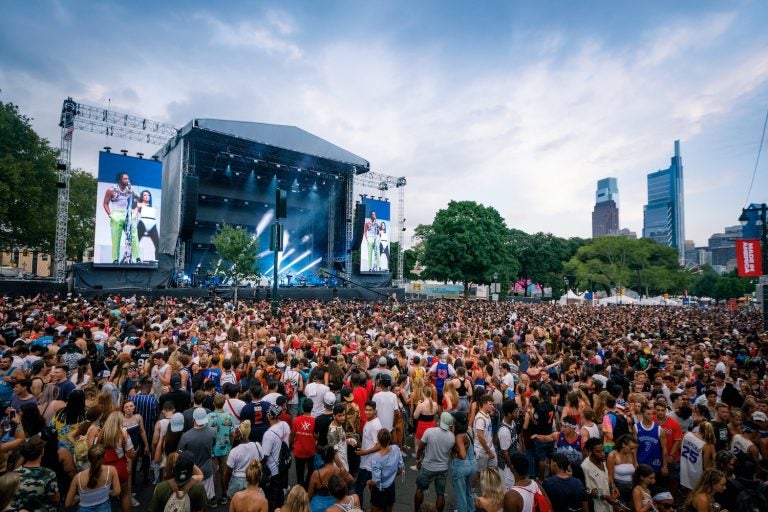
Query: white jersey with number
{"x": 691, "y": 460}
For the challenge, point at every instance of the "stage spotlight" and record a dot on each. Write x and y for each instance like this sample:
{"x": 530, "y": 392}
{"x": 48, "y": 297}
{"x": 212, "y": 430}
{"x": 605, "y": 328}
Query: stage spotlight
{"x": 383, "y": 185}
{"x": 314, "y": 186}
{"x": 401, "y": 182}
{"x": 228, "y": 170}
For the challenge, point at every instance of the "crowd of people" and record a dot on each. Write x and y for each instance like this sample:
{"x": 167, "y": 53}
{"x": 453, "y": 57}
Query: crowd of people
{"x": 483, "y": 406}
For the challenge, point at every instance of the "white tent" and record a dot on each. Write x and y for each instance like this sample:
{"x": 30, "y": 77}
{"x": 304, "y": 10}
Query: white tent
{"x": 615, "y": 299}
{"x": 571, "y": 298}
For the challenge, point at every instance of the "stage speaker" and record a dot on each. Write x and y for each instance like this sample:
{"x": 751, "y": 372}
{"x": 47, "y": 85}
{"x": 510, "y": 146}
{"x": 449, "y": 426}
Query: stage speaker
{"x": 189, "y": 207}
{"x": 358, "y": 227}
{"x": 281, "y": 204}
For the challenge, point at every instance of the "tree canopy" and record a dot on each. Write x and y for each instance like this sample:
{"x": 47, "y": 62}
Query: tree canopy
{"x": 466, "y": 243}
{"x": 27, "y": 184}
{"x": 82, "y": 214}
{"x": 239, "y": 251}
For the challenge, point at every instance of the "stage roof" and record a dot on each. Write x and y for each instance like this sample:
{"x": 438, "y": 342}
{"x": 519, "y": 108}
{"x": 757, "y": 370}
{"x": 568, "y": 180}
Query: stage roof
{"x": 285, "y": 137}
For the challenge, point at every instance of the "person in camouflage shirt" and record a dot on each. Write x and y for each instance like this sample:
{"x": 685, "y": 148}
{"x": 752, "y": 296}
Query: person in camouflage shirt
{"x": 38, "y": 489}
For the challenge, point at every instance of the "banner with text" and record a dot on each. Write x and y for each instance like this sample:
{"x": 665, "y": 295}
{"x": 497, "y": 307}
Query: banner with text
{"x": 749, "y": 257}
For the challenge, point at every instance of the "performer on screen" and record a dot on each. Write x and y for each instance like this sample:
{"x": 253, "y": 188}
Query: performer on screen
{"x": 371, "y": 230}
{"x": 118, "y": 203}
{"x": 147, "y": 224}
{"x": 383, "y": 247}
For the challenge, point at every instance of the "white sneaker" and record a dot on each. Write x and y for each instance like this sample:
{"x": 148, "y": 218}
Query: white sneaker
{"x": 135, "y": 502}
{"x": 415, "y": 467}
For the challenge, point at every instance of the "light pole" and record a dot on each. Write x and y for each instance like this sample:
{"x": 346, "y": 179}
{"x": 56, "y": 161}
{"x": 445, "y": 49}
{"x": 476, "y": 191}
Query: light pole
{"x": 761, "y": 209}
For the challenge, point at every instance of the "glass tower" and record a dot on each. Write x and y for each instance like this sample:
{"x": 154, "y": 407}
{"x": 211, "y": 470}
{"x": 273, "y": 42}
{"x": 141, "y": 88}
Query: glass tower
{"x": 663, "y": 216}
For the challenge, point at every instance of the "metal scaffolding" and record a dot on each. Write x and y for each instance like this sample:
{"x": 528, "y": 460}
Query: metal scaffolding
{"x": 376, "y": 184}
{"x": 77, "y": 116}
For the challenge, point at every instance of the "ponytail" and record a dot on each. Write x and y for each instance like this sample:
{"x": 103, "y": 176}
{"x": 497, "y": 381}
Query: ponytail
{"x": 95, "y": 457}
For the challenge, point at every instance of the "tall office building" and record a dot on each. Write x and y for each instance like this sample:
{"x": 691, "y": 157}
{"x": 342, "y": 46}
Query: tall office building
{"x": 663, "y": 216}
{"x": 605, "y": 216}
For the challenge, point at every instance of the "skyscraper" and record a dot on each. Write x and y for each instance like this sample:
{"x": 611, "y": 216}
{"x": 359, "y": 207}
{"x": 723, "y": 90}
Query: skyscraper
{"x": 663, "y": 216}
{"x": 605, "y": 216}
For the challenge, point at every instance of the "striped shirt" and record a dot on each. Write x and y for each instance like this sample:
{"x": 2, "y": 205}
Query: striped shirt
{"x": 146, "y": 405}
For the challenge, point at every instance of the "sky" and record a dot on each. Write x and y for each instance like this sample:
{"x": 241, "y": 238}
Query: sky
{"x": 522, "y": 106}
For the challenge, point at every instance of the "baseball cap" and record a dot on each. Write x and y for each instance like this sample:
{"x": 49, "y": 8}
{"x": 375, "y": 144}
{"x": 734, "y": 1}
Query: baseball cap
{"x": 759, "y": 416}
{"x": 329, "y": 398}
{"x": 446, "y": 421}
{"x": 105, "y": 374}
{"x": 200, "y": 416}
{"x": 274, "y": 411}
{"x": 177, "y": 422}
{"x": 175, "y": 382}
{"x": 382, "y": 361}
{"x": 185, "y": 465}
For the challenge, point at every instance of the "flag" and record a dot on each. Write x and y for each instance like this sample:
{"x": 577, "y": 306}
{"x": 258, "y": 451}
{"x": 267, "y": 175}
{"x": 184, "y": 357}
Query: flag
{"x": 749, "y": 257}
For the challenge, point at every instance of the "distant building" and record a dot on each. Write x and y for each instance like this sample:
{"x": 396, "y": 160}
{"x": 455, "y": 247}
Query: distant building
{"x": 605, "y": 216}
{"x": 626, "y": 233}
{"x": 663, "y": 216}
{"x": 722, "y": 246}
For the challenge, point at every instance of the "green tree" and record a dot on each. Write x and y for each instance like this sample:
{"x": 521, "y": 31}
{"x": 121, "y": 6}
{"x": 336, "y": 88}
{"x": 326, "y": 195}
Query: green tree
{"x": 410, "y": 259}
{"x": 466, "y": 243}
{"x": 27, "y": 184}
{"x": 82, "y": 214}
{"x": 542, "y": 256}
{"x": 239, "y": 251}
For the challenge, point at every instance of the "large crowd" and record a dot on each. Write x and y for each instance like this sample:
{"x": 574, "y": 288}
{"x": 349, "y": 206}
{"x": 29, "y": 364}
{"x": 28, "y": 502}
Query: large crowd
{"x": 479, "y": 405}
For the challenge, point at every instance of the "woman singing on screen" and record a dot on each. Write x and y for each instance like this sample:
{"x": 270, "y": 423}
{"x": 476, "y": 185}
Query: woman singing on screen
{"x": 147, "y": 225}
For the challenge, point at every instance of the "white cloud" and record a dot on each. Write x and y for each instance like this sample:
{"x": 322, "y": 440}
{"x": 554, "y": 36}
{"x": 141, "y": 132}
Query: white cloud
{"x": 268, "y": 37}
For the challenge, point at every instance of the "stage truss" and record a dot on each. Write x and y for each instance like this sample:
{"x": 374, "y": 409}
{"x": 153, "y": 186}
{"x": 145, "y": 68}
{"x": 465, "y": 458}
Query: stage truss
{"x": 77, "y": 116}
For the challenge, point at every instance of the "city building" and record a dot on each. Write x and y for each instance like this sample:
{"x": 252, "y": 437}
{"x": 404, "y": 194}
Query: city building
{"x": 605, "y": 216}
{"x": 753, "y": 228}
{"x": 663, "y": 216}
{"x": 722, "y": 246}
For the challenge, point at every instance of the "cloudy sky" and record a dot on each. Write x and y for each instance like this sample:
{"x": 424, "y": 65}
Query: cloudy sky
{"x": 518, "y": 105}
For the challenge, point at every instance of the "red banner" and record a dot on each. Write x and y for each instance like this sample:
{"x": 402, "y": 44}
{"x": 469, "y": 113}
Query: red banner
{"x": 749, "y": 257}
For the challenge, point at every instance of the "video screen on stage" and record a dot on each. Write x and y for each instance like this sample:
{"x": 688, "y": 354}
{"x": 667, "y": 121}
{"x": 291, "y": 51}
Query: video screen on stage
{"x": 127, "y": 211}
{"x": 374, "y": 248}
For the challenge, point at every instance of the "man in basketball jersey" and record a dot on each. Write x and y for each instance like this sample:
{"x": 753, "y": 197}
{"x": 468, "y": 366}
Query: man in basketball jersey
{"x": 651, "y": 443}
{"x": 117, "y": 202}
{"x": 442, "y": 370}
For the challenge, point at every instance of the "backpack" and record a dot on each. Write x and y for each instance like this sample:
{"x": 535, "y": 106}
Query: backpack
{"x": 752, "y": 500}
{"x": 178, "y": 503}
{"x": 620, "y": 427}
{"x": 228, "y": 377}
{"x": 540, "y": 502}
{"x": 290, "y": 389}
{"x": 271, "y": 373}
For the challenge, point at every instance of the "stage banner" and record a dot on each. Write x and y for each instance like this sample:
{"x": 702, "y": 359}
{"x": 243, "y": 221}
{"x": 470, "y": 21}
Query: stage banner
{"x": 128, "y": 198}
{"x": 749, "y": 257}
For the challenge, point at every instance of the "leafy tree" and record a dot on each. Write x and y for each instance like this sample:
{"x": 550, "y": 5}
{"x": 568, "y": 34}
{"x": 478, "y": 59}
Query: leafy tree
{"x": 239, "y": 251}
{"x": 82, "y": 214}
{"x": 729, "y": 287}
{"x": 467, "y": 243}
{"x": 27, "y": 184}
{"x": 410, "y": 259}
{"x": 542, "y": 256}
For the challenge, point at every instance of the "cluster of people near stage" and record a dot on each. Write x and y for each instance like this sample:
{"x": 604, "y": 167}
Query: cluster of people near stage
{"x": 334, "y": 406}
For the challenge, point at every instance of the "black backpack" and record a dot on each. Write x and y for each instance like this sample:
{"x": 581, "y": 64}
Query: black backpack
{"x": 283, "y": 461}
{"x": 621, "y": 426}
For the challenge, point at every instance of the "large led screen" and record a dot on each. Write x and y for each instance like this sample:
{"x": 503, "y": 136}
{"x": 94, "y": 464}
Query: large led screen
{"x": 127, "y": 211}
{"x": 374, "y": 248}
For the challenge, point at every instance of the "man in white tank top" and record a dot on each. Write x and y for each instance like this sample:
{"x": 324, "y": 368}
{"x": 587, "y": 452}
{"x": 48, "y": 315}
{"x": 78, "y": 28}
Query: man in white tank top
{"x": 745, "y": 442}
{"x": 691, "y": 460}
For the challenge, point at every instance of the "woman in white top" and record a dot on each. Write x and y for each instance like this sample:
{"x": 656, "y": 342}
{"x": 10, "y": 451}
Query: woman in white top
{"x": 95, "y": 485}
{"x": 589, "y": 429}
{"x": 147, "y": 224}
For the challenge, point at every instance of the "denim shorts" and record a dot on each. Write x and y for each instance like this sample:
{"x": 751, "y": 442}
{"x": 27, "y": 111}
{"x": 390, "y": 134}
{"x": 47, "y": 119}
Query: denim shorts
{"x": 543, "y": 450}
{"x": 426, "y": 477}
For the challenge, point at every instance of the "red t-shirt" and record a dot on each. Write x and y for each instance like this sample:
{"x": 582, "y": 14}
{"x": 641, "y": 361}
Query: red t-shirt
{"x": 360, "y": 396}
{"x": 303, "y": 436}
{"x": 672, "y": 433}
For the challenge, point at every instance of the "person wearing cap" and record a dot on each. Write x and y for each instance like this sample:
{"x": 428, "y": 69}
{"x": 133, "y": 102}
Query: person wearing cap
{"x": 323, "y": 422}
{"x": 746, "y": 441}
{"x": 277, "y": 434}
{"x": 381, "y": 370}
{"x": 200, "y": 440}
{"x": 183, "y": 482}
{"x": 433, "y": 458}
{"x": 663, "y": 500}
